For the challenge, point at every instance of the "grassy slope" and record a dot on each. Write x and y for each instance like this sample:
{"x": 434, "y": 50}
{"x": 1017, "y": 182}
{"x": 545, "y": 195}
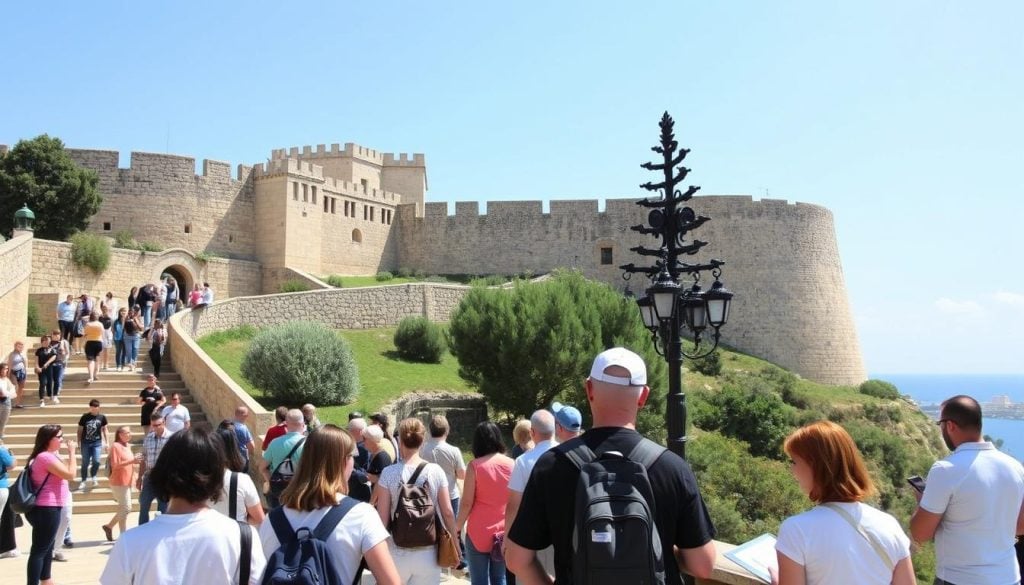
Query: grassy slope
{"x": 383, "y": 376}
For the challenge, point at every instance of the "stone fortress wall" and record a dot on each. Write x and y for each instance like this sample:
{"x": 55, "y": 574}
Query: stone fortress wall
{"x": 782, "y": 260}
{"x": 353, "y": 210}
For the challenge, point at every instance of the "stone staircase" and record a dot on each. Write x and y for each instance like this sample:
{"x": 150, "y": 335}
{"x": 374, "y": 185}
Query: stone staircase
{"x": 118, "y": 395}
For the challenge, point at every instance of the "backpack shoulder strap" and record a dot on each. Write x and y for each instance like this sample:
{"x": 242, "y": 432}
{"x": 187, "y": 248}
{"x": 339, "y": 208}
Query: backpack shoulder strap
{"x": 646, "y": 452}
{"x": 580, "y": 455}
{"x": 416, "y": 474}
{"x": 233, "y": 495}
{"x": 329, "y": 522}
{"x": 245, "y": 558}
{"x": 288, "y": 457}
{"x": 282, "y": 527}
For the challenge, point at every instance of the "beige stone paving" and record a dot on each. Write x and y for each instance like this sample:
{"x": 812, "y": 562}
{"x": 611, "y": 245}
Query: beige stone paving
{"x": 86, "y": 560}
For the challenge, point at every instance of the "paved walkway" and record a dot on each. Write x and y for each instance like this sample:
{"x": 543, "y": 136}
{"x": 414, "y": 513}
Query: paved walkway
{"x": 86, "y": 560}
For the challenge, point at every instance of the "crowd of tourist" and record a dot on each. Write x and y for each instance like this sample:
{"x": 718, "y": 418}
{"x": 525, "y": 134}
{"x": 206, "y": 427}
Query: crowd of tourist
{"x": 392, "y": 502}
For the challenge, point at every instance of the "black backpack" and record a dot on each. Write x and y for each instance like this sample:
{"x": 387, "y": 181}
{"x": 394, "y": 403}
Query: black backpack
{"x": 615, "y": 539}
{"x": 304, "y": 557}
{"x": 413, "y": 523}
{"x": 282, "y": 476}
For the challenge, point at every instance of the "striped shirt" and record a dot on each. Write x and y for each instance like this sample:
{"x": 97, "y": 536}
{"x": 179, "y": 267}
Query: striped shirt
{"x": 151, "y": 447}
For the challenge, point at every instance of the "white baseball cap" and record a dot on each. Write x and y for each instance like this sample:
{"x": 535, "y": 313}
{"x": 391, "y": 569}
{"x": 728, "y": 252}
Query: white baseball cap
{"x": 622, "y": 357}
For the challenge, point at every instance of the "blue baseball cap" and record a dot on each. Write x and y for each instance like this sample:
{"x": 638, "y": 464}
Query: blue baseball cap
{"x": 568, "y": 417}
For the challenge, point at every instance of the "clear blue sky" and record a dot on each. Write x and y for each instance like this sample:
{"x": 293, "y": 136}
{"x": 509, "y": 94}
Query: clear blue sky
{"x": 905, "y": 118}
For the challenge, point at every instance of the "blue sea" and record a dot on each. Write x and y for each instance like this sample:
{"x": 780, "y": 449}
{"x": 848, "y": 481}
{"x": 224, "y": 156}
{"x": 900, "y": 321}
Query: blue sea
{"x": 934, "y": 388}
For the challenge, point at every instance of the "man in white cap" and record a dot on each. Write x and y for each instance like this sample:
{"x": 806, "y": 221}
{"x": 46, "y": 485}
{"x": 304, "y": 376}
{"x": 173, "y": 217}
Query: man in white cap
{"x": 616, "y": 390}
{"x": 568, "y": 421}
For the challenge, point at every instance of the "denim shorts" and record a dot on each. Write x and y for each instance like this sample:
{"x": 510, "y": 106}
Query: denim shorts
{"x": 19, "y": 375}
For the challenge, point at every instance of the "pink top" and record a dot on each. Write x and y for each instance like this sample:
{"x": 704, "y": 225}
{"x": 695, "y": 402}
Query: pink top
{"x": 194, "y": 296}
{"x": 52, "y": 494}
{"x": 487, "y": 517}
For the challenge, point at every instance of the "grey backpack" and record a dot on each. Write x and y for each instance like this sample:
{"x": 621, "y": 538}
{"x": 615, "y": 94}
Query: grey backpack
{"x": 615, "y": 539}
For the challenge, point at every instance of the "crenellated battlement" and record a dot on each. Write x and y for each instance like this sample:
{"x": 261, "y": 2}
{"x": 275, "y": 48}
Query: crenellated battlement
{"x": 342, "y": 187}
{"x": 146, "y": 165}
{"x": 350, "y": 150}
{"x": 288, "y": 166}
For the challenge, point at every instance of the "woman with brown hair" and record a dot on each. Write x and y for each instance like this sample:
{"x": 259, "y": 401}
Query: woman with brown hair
{"x": 122, "y": 469}
{"x": 317, "y": 495}
{"x": 50, "y": 474}
{"x": 864, "y": 544}
{"x": 417, "y": 565}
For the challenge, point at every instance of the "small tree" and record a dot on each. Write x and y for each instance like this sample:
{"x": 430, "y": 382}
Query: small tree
{"x": 709, "y": 365}
{"x": 40, "y": 173}
{"x": 526, "y": 346}
{"x": 419, "y": 340}
{"x": 302, "y": 362}
{"x": 880, "y": 389}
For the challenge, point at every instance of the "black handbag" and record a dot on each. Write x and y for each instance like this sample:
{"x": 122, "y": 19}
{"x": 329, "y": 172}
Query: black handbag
{"x": 22, "y": 497}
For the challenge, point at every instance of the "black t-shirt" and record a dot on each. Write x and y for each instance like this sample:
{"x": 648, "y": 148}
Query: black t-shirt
{"x": 150, "y": 405}
{"x": 378, "y": 462}
{"x": 43, "y": 355}
{"x": 92, "y": 423}
{"x": 362, "y": 458}
{"x": 545, "y": 516}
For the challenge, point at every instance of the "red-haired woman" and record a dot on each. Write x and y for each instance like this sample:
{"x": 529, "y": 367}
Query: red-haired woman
{"x": 841, "y": 539}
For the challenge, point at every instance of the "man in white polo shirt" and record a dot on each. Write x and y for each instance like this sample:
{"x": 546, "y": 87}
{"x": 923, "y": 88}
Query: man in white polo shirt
{"x": 973, "y": 504}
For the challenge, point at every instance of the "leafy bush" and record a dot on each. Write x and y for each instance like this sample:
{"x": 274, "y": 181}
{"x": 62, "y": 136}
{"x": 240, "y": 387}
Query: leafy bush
{"x": 709, "y": 365}
{"x": 419, "y": 340}
{"x": 35, "y": 327}
{"x": 880, "y": 389}
{"x": 290, "y": 286}
{"x": 491, "y": 280}
{"x": 205, "y": 256}
{"x": 335, "y": 281}
{"x": 150, "y": 247}
{"x": 384, "y": 276}
{"x": 419, "y": 274}
{"x": 124, "y": 239}
{"x": 754, "y": 414}
{"x": 302, "y": 362}
{"x": 404, "y": 272}
{"x": 90, "y": 251}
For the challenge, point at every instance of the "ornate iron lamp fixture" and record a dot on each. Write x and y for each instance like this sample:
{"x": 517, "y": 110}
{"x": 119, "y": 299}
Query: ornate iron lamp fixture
{"x": 668, "y": 309}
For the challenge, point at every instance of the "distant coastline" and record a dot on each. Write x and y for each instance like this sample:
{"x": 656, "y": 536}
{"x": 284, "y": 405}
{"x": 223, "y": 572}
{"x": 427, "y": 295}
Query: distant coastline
{"x": 1000, "y": 407}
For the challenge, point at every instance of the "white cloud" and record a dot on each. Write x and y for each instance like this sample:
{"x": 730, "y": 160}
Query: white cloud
{"x": 952, "y": 307}
{"x": 1009, "y": 298}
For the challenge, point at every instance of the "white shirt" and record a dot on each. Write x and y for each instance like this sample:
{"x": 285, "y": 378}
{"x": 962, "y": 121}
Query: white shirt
{"x": 449, "y": 458}
{"x": 175, "y": 418}
{"x": 7, "y": 389}
{"x": 207, "y": 295}
{"x": 245, "y": 492}
{"x": 978, "y": 490}
{"x": 395, "y": 475}
{"x": 833, "y": 553}
{"x": 524, "y": 465}
{"x": 173, "y": 549}
{"x": 358, "y": 532}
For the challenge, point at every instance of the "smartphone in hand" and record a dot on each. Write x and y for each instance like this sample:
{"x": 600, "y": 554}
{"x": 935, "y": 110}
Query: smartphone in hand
{"x": 916, "y": 482}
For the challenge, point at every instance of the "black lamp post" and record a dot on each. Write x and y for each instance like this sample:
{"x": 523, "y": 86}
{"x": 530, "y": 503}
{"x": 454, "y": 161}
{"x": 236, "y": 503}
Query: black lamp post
{"x": 669, "y": 310}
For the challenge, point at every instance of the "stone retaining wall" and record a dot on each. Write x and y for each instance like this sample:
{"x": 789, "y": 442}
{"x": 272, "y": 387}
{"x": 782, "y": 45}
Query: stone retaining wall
{"x": 463, "y": 411}
{"x": 15, "y": 268}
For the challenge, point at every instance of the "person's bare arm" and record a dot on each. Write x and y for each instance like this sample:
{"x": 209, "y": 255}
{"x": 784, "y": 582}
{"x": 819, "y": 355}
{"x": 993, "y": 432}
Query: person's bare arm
{"x": 255, "y": 514}
{"x": 512, "y": 508}
{"x": 381, "y": 565}
{"x": 1020, "y": 521}
{"x": 923, "y": 525}
{"x": 383, "y": 497}
{"x": 903, "y": 574}
{"x": 699, "y": 561}
{"x": 62, "y": 469}
{"x": 468, "y": 497}
{"x": 790, "y": 572}
{"x": 447, "y": 513}
{"x": 523, "y": 562}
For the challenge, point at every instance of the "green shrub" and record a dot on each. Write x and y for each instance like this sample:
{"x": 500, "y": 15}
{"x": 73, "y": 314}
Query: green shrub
{"x": 491, "y": 280}
{"x": 384, "y": 276}
{"x": 150, "y": 247}
{"x": 335, "y": 281}
{"x": 419, "y": 340}
{"x": 35, "y": 326}
{"x": 752, "y": 413}
{"x": 404, "y": 272}
{"x": 90, "y": 251}
{"x": 419, "y": 274}
{"x": 125, "y": 240}
{"x": 290, "y": 286}
{"x": 880, "y": 389}
{"x": 205, "y": 256}
{"x": 302, "y": 362}
{"x": 709, "y": 365}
